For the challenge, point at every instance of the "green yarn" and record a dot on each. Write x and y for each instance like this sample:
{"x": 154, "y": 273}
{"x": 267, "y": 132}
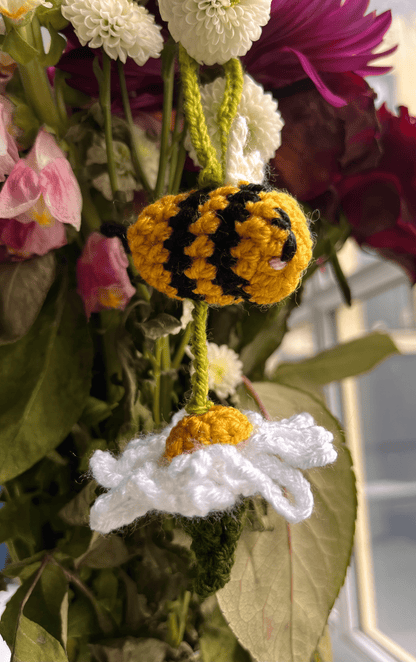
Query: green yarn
{"x": 211, "y": 174}
{"x": 234, "y": 81}
{"x": 199, "y": 403}
{"x": 214, "y": 540}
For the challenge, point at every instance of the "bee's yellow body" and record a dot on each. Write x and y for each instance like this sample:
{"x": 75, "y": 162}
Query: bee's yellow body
{"x": 223, "y": 246}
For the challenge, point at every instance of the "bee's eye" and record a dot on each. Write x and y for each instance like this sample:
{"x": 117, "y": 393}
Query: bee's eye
{"x": 282, "y": 221}
{"x": 289, "y": 248}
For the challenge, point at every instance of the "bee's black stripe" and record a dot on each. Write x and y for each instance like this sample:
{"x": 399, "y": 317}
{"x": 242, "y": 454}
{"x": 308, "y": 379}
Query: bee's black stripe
{"x": 180, "y": 238}
{"x": 226, "y": 237}
{"x": 289, "y": 248}
{"x": 282, "y": 221}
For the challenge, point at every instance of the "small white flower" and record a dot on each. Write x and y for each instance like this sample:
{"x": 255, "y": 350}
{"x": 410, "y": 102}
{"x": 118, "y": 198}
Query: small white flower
{"x": 187, "y": 309}
{"x": 214, "y": 477}
{"x": 148, "y": 152}
{"x": 5, "y": 652}
{"x": 214, "y": 31}
{"x": 225, "y": 369}
{"x": 257, "y": 137}
{"x": 122, "y": 27}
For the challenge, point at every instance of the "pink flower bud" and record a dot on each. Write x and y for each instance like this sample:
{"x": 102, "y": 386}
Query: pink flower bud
{"x": 103, "y": 281}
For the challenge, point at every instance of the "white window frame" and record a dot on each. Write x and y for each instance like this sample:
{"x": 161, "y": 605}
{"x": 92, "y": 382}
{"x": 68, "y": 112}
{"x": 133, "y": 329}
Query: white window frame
{"x": 353, "y": 620}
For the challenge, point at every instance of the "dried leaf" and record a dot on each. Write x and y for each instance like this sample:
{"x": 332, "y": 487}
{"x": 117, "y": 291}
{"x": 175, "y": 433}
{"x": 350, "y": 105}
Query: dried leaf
{"x": 285, "y": 581}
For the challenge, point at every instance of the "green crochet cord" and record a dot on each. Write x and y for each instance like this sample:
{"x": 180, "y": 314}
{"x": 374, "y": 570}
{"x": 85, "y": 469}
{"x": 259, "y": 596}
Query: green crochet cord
{"x": 214, "y": 540}
{"x": 199, "y": 403}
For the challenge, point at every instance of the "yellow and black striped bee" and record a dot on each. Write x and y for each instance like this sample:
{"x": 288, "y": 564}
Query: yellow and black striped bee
{"x": 223, "y": 246}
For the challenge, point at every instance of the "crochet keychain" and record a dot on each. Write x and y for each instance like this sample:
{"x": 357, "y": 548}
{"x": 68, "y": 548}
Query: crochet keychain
{"x": 227, "y": 242}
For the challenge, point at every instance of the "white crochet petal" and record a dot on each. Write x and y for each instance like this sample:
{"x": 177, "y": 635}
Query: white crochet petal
{"x": 214, "y": 477}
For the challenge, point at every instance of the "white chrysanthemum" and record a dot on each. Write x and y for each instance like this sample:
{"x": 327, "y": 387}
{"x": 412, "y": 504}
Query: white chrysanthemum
{"x": 213, "y": 31}
{"x": 225, "y": 369}
{"x": 255, "y": 132}
{"x": 122, "y": 27}
{"x": 214, "y": 477}
{"x": 148, "y": 152}
{"x": 5, "y": 652}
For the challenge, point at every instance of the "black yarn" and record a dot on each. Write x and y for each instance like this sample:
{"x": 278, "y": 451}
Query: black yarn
{"x": 289, "y": 248}
{"x": 282, "y": 221}
{"x": 227, "y": 237}
{"x": 214, "y": 540}
{"x": 111, "y": 229}
{"x": 180, "y": 238}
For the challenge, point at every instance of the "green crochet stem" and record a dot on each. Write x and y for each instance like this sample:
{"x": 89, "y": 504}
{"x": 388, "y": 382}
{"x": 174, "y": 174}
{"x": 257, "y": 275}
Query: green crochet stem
{"x": 227, "y": 111}
{"x": 213, "y": 172}
{"x": 199, "y": 403}
{"x": 214, "y": 540}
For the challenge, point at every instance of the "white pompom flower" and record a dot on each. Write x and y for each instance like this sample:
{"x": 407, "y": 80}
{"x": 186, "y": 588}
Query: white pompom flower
{"x": 214, "y": 477}
{"x": 214, "y": 31}
{"x": 122, "y": 27}
{"x": 225, "y": 370}
{"x": 255, "y": 131}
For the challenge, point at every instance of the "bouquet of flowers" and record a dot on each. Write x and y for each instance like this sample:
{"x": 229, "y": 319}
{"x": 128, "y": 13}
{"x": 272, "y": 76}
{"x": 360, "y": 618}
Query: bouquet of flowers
{"x": 173, "y": 173}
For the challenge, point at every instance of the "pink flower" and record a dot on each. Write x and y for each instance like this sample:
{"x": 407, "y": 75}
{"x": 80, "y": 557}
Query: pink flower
{"x": 39, "y": 196}
{"x": 310, "y": 37}
{"x": 102, "y": 276}
{"x": 9, "y": 154}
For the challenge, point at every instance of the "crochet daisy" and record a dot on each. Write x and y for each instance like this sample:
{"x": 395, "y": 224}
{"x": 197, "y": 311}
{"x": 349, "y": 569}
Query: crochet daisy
{"x": 214, "y": 31}
{"x": 258, "y": 457}
{"x": 122, "y": 27}
{"x": 255, "y": 132}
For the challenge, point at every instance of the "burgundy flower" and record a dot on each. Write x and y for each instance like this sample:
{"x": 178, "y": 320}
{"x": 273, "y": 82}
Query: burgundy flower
{"x": 144, "y": 84}
{"x": 322, "y": 143}
{"x": 102, "y": 276}
{"x": 310, "y": 37}
{"x": 380, "y": 204}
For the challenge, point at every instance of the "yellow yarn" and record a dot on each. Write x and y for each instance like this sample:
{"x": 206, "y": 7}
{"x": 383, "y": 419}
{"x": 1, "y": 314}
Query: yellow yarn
{"x": 220, "y": 425}
{"x": 260, "y": 242}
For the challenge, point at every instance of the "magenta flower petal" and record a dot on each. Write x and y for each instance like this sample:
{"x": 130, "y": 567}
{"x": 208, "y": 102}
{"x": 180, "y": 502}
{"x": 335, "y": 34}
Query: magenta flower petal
{"x": 102, "y": 276}
{"x": 24, "y": 240}
{"x": 61, "y": 192}
{"x": 314, "y": 37}
{"x": 20, "y": 192}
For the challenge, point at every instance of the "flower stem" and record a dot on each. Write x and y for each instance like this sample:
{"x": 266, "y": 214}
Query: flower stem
{"x": 199, "y": 403}
{"x": 167, "y": 382}
{"x": 168, "y": 74}
{"x": 133, "y": 137}
{"x": 38, "y": 91}
{"x": 181, "y": 349}
{"x": 156, "y": 370}
{"x": 176, "y": 140}
{"x": 250, "y": 388}
{"x": 105, "y": 101}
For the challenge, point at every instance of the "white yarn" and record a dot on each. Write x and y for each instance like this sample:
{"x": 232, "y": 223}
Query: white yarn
{"x": 214, "y": 477}
{"x": 240, "y": 166}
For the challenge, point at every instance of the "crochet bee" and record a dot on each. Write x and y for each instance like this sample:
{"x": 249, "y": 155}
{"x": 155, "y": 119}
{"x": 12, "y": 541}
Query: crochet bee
{"x": 223, "y": 246}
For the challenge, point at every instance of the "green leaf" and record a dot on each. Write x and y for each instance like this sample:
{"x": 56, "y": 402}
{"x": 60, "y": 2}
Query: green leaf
{"x": 119, "y": 650}
{"x": 106, "y": 552}
{"x": 25, "y": 119}
{"x": 324, "y": 651}
{"x": 82, "y": 618}
{"x": 10, "y": 615}
{"x": 159, "y": 326}
{"x": 34, "y": 643}
{"x": 95, "y": 411}
{"x": 44, "y": 606}
{"x": 218, "y": 643}
{"x": 23, "y": 289}
{"x": 346, "y": 360}
{"x": 284, "y": 582}
{"x": 46, "y": 378}
{"x": 76, "y": 512}
{"x": 19, "y": 49}
{"x": 56, "y": 49}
